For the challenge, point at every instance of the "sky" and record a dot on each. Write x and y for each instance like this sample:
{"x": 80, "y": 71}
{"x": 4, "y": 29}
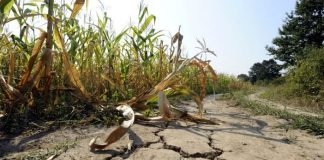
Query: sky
{"x": 237, "y": 30}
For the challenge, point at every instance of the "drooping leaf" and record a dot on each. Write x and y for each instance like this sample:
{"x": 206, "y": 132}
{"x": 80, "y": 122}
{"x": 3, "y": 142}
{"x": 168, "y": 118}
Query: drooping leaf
{"x": 119, "y": 37}
{"x": 142, "y": 13}
{"x": 147, "y": 22}
{"x": 11, "y": 92}
{"x": 129, "y": 117}
{"x": 72, "y": 73}
{"x": 77, "y": 7}
{"x": 31, "y": 62}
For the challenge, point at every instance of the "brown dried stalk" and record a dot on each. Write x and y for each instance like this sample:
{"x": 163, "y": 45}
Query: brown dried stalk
{"x": 10, "y": 92}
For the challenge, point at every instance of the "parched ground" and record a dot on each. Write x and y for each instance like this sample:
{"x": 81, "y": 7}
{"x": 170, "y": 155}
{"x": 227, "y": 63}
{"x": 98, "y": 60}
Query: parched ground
{"x": 239, "y": 136}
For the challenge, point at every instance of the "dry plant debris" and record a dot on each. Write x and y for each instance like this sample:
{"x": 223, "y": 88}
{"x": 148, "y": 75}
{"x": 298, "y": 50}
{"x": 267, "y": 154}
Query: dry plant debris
{"x": 129, "y": 115}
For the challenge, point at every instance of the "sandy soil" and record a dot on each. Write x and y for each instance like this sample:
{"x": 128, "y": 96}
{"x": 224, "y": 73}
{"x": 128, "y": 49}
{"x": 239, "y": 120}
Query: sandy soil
{"x": 239, "y": 136}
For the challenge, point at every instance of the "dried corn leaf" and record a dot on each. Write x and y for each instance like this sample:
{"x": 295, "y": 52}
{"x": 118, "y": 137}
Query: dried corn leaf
{"x": 164, "y": 104}
{"x": 113, "y": 137}
{"x": 111, "y": 82}
{"x": 77, "y": 7}
{"x": 204, "y": 68}
{"x": 12, "y": 60}
{"x": 177, "y": 37}
{"x": 183, "y": 115}
{"x": 72, "y": 72}
{"x": 171, "y": 79}
{"x": 212, "y": 72}
{"x": 152, "y": 92}
{"x": 73, "y": 75}
{"x": 168, "y": 112}
{"x": 129, "y": 116}
{"x": 35, "y": 78}
{"x": 31, "y": 62}
{"x": 10, "y": 92}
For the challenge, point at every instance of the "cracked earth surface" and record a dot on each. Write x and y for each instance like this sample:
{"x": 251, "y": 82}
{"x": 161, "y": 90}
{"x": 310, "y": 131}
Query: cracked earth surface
{"x": 239, "y": 136}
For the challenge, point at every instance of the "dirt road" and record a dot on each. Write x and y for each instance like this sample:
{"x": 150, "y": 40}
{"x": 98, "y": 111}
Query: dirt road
{"x": 239, "y": 136}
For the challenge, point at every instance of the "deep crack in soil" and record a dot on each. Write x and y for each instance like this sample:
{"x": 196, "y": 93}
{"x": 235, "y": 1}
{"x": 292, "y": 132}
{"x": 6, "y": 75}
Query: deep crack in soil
{"x": 208, "y": 155}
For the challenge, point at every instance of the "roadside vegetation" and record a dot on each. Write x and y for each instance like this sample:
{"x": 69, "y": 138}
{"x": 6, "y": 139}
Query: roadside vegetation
{"x": 295, "y": 75}
{"x": 312, "y": 124}
{"x": 303, "y": 86}
{"x": 228, "y": 84}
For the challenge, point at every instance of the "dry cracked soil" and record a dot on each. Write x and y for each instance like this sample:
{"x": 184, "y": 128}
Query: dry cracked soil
{"x": 239, "y": 136}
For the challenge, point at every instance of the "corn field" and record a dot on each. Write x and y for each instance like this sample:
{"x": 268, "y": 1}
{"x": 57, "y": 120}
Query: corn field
{"x": 88, "y": 65}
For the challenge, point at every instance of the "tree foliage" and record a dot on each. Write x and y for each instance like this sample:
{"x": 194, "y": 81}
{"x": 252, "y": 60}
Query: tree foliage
{"x": 267, "y": 70}
{"x": 302, "y": 28}
{"x": 243, "y": 77}
{"x": 308, "y": 76}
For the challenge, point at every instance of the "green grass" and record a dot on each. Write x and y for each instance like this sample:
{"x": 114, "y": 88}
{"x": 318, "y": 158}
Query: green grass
{"x": 227, "y": 84}
{"x": 283, "y": 94}
{"x": 314, "y": 125}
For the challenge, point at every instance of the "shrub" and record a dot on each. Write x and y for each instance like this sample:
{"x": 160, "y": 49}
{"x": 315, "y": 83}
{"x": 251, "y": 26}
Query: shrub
{"x": 304, "y": 85}
{"x": 243, "y": 77}
{"x": 228, "y": 84}
{"x": 308, "y": 76}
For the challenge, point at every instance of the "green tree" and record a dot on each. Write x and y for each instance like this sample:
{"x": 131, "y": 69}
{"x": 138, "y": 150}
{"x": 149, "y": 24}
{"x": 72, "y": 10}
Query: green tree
{"x": 302, "y": 28}
{"x": 243, "y": 77}
{"x": 308, "y": 76}
{"x": 267, "y": 70}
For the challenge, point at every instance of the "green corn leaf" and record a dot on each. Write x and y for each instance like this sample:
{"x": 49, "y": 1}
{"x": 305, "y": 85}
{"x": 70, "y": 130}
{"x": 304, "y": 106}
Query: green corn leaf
{"x": 147, "y": 22}
{"x": 67, "y": 7}
{"x": 119, "y": 37}
{"x": 22, "y": 32}
{"x": 140, "y": 38}
{"x": 145, "y": 11}
{"x": 5, "y": 6}
{"x": 152, "y": 34}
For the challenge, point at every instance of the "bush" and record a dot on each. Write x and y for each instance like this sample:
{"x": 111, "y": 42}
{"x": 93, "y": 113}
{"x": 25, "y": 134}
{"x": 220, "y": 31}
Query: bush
{"x": 243, "y": 77}
{"x": 228, "y": 84}
{"x": 278, "y": 81}
{"x": 308, "y": 77}
{"x": 304, "y": 85}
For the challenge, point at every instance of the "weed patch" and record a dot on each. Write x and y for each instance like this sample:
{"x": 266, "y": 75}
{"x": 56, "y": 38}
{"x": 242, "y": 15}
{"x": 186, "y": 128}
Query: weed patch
{"x": 312, "y": 124}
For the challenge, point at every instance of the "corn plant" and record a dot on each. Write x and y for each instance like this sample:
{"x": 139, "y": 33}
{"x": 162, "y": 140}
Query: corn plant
{"x": 90, "y": 63}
